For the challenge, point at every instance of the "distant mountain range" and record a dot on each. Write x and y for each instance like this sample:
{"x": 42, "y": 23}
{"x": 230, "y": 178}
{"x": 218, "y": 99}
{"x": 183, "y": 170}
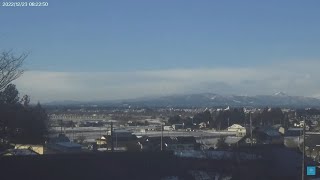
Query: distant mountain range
{"x": 279, "y": 99}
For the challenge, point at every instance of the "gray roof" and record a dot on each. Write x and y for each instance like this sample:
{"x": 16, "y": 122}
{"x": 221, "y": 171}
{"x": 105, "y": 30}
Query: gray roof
{"x": 69, "y": 144}
{"x": 21, "y": 152}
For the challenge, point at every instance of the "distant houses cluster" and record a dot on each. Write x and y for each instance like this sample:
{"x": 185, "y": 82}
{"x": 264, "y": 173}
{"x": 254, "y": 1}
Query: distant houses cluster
{"x": 183, "y": 133}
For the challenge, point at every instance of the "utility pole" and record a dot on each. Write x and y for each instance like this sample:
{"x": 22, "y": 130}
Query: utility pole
{"x": 112, "y": 147}
{"x": 303, "y": 147}
{"x": 250, "y": 129}
{"x": 161, "y": 135}
{"x": 116, "y": 140}
{"x": 61, "y": 124}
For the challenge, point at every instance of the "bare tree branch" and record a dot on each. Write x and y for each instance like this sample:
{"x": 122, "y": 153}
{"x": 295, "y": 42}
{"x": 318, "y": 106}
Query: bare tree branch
{"x": 10, "y": 67}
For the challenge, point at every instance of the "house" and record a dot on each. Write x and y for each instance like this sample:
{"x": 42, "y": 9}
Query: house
{"x": 238, "y": 129}
{"x": 235, "y": 128}
{"x": 265, "y": 135}
{"x": 178, "y": 126}
{"x": 102, "y": 141}
{"x": 280, "y": 129}
{"x": 121, "y": 138}
{"x": 121, "y": 133}
{"x": 167, "y": 128}
{"x": 35, "y": 148}
{"x": 62, "y": 144}
{"x": 19, "y": 152}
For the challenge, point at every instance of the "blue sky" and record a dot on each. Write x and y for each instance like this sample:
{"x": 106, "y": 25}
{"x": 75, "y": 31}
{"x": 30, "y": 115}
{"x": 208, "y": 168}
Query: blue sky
{"x": 75, "y": 37}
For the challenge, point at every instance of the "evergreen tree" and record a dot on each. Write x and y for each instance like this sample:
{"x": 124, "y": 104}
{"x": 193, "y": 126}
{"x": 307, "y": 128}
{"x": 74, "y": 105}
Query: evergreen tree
{"x": 10, "y": 95}
{"x": 20, "y": 122}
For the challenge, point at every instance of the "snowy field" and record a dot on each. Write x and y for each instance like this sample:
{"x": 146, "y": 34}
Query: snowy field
{"x": 92, "y": 133}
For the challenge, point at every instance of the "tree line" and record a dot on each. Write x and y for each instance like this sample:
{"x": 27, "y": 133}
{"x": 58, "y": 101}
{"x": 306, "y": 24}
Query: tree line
{"x": 20, "y": 122}
{"x": 225, "y": 118}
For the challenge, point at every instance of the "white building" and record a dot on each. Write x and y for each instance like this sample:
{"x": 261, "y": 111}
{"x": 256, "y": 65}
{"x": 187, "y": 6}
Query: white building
{"x": 167, "y": 128}
{"x": 177, "y": 126}
{"x": 238, "y": 129}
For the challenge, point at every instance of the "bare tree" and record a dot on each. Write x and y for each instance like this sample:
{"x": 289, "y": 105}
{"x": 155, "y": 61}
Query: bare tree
{"x": 10, "y": 67}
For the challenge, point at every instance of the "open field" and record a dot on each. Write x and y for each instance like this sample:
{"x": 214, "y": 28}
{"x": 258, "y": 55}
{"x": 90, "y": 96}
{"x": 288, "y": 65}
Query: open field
{"x": 92, "y": 133}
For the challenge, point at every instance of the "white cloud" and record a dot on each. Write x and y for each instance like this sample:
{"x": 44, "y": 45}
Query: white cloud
{"x": 295, "y": 78}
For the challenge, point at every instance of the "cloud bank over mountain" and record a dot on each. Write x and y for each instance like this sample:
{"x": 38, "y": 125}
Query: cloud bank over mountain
{"x": 297, "y": 78}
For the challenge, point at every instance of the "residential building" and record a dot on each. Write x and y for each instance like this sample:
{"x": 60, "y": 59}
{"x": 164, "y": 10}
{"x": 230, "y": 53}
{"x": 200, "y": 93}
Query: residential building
{"x": 167, "y": 128}
{"x": 19, "y": 152}
{"x": 62, "y": 144}
{"x": 121, "y": 138}
{"x": 238, "y": 129}
{"x": 178, "y": 126}
{"x": 265, "y": 135}
{"x": 35, "y": 148}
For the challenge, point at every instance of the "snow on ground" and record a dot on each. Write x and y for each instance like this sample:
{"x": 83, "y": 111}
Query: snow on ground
{"x": 95, "y": 132}
{"x": 217, "y": 155}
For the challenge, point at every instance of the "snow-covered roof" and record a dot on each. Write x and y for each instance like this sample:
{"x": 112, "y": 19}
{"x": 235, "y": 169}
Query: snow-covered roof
{"x": 235, "y": 126}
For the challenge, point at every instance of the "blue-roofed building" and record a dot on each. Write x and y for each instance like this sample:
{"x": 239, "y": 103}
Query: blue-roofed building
{"x": 268, "y": 135}
{"x": 264, "y": 135}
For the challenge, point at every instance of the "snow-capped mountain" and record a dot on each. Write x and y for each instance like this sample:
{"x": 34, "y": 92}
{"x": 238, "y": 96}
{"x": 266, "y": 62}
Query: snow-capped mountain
{"x": 211, "y": 100}
{"x": 280, "y": 94}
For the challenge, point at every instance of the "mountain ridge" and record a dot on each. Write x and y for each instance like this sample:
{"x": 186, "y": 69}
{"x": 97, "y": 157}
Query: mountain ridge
{"x": 206, "y": 100}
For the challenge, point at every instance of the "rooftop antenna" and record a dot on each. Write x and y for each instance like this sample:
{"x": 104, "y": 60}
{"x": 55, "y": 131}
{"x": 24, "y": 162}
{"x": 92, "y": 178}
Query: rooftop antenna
{"x": 161, "y": 135}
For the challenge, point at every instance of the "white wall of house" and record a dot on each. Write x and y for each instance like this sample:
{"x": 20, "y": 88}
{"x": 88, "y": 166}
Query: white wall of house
{"x": 235, "y": 128}
{"x": 238, "y": 129}
{"x": 167, "y": 128}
